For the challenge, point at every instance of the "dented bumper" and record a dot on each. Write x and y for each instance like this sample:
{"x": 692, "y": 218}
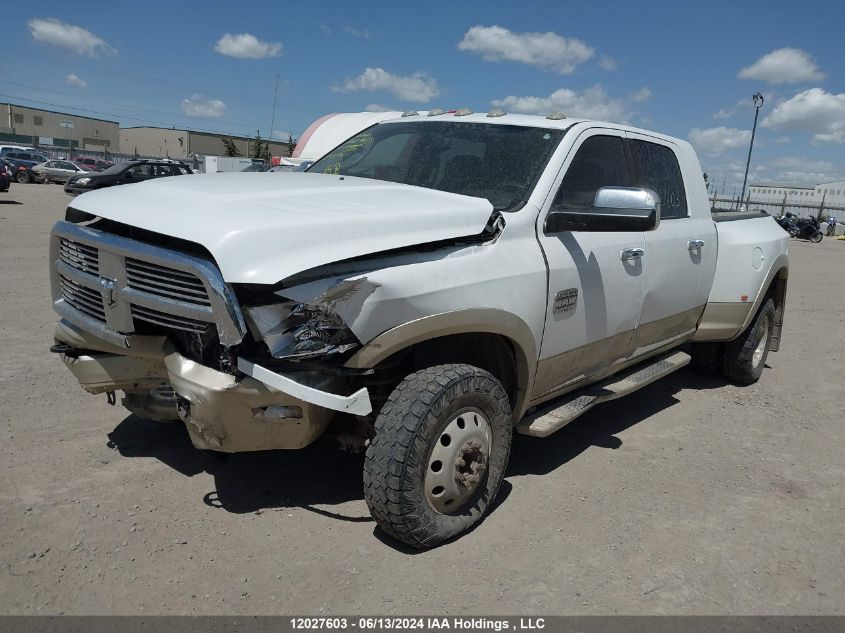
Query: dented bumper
{"x": 222, "y": 412}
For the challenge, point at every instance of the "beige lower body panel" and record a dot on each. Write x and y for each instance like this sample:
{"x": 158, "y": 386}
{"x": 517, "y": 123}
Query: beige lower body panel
{"x": 569, "y": 370}
{"x": 221, "y": 413}
{"x": 722, "y": 321}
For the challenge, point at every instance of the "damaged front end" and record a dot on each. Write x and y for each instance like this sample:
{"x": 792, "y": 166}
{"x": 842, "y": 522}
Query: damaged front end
{"x": 164, "y": 328}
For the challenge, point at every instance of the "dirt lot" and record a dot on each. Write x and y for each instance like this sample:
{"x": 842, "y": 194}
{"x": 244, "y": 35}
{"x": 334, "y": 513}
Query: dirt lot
{"x": 691, "y": 496}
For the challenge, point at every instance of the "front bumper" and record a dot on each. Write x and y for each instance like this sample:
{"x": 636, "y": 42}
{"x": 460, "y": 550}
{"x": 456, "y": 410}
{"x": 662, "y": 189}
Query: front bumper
{"x": 221, "y": 412}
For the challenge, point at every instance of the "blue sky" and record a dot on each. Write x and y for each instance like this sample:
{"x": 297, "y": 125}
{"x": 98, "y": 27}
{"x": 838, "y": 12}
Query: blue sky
{"x": 686, "y": 69}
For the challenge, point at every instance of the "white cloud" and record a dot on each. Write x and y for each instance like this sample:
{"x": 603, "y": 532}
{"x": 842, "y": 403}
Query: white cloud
{"x": 325, "y": 28}
{"x": 199, "y": 105}
{"x": 783, "y": 140}
{"x": 643, "y": 94}
{"x": 247, "y": 46}
{"x": 816, "y": 111}
{"x": 281, "y": 136}
{"x": 592, "y": 103}
{"x": 800, "y": 170}
{"x": 716, "y": 140}
{"x": 362, "y": 33}
{"x": 68, "y": 36}
{"x": 608, "y": 63}
{"x": 545, "y": 50}
{"x": 418, "y": 87}
{"x": 73, "y": 80}
{"x": 377, "y": 107}
{"x": 783, "y": 65}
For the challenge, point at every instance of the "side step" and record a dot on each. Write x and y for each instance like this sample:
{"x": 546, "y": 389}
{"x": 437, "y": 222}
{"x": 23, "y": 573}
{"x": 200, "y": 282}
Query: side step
{"x": 546, "y": 421}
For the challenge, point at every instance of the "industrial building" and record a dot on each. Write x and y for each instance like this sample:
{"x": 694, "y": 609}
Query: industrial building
{"x": 37, "y": 127}
{"x": 831, "y": 193}
{"x": 180, "y": 143}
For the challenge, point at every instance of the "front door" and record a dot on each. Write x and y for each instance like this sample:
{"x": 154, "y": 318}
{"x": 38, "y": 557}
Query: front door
{"x": 596, "y": 280}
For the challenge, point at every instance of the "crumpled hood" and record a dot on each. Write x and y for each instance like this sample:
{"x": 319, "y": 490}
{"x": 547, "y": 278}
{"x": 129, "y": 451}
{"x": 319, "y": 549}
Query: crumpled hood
{"x": 264, "y": 227}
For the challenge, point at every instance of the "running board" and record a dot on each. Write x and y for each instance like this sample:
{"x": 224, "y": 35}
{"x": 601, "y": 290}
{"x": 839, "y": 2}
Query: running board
{"x": 547, "y": 420}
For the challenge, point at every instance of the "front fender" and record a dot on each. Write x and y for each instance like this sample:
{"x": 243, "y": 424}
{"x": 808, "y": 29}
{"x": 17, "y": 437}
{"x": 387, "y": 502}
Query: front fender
{"x": 465, "y": 321}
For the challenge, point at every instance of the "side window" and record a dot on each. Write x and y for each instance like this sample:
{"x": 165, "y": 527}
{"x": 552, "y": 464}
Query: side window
{"x": 657, "y": 169}
{"x": 599, "y": 162}
{"x": 141, "y": 171}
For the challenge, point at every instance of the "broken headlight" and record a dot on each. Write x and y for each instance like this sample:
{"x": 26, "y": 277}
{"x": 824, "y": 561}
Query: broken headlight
{"x": 310, "y": 323}
{"x": 300, "y": 331}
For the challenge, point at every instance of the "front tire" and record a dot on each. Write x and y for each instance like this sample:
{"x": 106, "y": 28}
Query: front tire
{"x": 439, "y": 454}
{"x": 816, "y": 237}
{"x": 744, "y": 357}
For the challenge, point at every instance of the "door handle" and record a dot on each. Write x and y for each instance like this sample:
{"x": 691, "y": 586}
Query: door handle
{"x": 695, "y": 244}
{"x": 632, "y": 253}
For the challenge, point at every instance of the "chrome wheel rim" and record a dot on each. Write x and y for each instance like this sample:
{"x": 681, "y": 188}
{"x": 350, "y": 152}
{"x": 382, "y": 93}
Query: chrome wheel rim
{"x": 457, "y": 464}
{"x": 761, "y": 344}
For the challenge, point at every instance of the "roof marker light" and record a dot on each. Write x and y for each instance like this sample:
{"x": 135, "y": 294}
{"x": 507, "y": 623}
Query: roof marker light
{"x": 496, "y": 112}
{"x": 556, "y": 116}
{"x": 463, "y": 112}
{"x": 410, "y": 113}
{"x": 436, "y": 112}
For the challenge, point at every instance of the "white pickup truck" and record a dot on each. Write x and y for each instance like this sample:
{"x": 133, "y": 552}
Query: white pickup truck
{"x": 428, "y": 287}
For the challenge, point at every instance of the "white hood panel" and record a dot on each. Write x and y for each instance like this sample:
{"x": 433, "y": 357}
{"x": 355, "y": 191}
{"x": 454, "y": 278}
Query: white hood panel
{"x": 264, "y": 227}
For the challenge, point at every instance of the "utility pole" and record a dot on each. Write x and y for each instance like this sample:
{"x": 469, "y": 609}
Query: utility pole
{"x": 273, "y": 118}
{"x": 758, "y": 103}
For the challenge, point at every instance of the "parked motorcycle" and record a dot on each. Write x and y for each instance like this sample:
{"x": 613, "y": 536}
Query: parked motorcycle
{"x": 801, "y": 228}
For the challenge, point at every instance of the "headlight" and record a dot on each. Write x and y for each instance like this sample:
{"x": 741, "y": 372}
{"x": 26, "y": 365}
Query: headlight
{"x": 82, "y": 181}
{"x": 300, "y": 331}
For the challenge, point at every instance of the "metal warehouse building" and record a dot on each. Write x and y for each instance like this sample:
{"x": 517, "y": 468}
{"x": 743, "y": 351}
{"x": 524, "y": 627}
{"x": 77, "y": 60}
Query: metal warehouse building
{"x": 36, "y": 127}
{"x": 179, "y": 143}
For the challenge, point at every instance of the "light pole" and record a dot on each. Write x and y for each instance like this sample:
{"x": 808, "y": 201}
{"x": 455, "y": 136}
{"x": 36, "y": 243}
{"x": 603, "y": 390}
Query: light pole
{"x": 758, "y": 103}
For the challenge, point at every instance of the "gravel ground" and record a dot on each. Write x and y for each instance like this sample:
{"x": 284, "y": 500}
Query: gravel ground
{"x": 690, "y": 497}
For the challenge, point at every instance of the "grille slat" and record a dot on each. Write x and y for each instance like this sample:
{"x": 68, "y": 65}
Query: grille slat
{"x": 80, "y": 256}
{"x": 166, "y": 282}
{"x": 83, "y": 299}
{"x": 168, "y": 320}
{"x": 158, "y": 270}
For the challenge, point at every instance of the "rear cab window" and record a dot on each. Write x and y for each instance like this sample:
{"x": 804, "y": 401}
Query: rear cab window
{"x": 656, "y": 167}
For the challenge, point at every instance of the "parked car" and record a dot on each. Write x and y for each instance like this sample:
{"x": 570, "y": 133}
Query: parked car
{"x": 121, "y": 174}
{"x": 441, "y": 280}
{"x": 29, "y": 158}
{"x": 5, "y": 177}
{"x": 15, "y": 148}
{"x": 59, "y": 170}
{"x": 21, "y": 172}
{"x": 96, "y": 164}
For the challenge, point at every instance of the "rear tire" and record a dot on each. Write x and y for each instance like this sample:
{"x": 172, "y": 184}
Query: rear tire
{"x": 744, "y": 357}
{"x": 439, "y": 454}
{"x": 22, "y": 177}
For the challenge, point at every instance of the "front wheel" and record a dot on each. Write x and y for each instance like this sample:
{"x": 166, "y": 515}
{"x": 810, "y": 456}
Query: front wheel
{"x": 816, "y": 237}
{"x": 439, "y": 454}
{"x": 744, "y": 357}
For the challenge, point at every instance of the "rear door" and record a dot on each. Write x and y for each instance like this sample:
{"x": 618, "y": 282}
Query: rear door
{"x": 676, "y": 253}
{"x": 596, "y": 280}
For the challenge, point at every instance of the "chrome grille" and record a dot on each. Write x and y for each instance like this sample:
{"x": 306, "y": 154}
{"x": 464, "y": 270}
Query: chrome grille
{"x": 84, "y": 299}
{"x": 109, "y": 285}
{"x": 165, "y": 282}
{"x": 169, "y": 320}
{"x": 80, "y": 256}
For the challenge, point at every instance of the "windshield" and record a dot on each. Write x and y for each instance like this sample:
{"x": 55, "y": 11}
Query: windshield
{"x": 498, "y": 162}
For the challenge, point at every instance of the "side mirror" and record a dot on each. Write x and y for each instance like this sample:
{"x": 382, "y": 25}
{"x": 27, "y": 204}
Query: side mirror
{"x": 614, "y": 209}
